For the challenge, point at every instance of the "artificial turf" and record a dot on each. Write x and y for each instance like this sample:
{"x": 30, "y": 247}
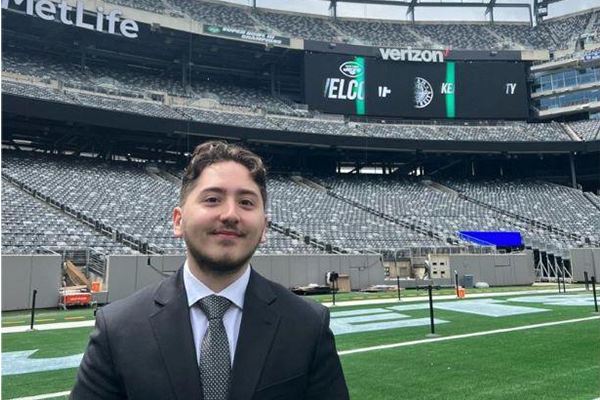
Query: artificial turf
{"x": 51, "y": 343}
{"x": 555, "y": 362}
{"x": 46, "y": 316}
{"x": 460, "y": 323}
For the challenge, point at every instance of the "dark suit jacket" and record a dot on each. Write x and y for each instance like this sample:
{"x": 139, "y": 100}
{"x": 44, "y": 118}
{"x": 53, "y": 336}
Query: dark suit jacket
{"x": 143, "y": 349}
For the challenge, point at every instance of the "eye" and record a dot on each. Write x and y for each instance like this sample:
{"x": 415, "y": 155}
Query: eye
{"x": 211, "y": 200}
{"x": 247, "y": 203}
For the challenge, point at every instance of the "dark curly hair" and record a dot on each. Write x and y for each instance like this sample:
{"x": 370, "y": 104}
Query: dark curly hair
{"x": 216, "y": 151}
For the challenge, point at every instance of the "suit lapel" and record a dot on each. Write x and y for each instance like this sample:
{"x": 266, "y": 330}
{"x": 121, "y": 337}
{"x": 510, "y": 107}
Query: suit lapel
{"x": 173, "y": 333}
{"x": 259, "y": 324}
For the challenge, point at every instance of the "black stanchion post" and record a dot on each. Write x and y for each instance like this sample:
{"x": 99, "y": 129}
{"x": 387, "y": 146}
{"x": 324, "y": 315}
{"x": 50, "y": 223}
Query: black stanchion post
{"x": 398, "y": 285}
{"x": 558, "y": 278}
{"x": 331, "y": 279}
{"x": 33, "y": 308}
{"x": 586, "y": 279}
{"x": 594, "y": 289}
{"x": 333, "y": 291}
{"x": 456, "y": 282}
{"x": 431, "y": 309}
{"x": 562, "y": 272}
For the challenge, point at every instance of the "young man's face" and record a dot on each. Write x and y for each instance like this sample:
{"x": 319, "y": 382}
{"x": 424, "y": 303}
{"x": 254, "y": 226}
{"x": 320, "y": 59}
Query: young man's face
{"x": 222, "y": 220}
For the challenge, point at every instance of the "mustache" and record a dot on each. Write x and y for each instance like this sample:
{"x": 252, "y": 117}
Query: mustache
{"x": 232, "y": 229}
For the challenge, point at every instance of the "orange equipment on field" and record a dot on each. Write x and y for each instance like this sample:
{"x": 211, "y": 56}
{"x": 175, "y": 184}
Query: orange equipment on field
{"x": 69, "y": 299}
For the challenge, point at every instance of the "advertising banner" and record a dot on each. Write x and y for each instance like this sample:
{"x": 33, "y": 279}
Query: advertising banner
{"x": 356, "y": 85}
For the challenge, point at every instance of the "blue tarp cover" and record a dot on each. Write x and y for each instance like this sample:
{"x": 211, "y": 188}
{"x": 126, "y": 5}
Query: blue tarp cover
{"x": 493, "y": 238}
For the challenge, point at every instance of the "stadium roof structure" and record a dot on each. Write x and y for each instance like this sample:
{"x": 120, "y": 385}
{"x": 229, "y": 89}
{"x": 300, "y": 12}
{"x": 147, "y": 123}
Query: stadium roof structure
{"x": 540, "y": 7}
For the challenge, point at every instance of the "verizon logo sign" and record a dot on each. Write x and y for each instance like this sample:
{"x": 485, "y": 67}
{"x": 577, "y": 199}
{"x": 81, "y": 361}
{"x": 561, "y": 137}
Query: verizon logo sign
{"x": 413, "y": 55}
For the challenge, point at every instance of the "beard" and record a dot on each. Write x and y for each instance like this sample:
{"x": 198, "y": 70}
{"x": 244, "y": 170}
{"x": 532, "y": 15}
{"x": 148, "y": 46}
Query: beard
{"x": 224, "y": 265}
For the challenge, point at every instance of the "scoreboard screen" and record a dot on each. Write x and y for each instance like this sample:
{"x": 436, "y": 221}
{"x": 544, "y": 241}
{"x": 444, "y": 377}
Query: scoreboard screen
{"x": 452, "y": 89}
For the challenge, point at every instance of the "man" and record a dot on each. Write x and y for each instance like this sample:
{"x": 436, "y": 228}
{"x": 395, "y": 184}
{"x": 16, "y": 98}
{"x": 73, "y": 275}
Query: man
{"x": 216, "y": 329}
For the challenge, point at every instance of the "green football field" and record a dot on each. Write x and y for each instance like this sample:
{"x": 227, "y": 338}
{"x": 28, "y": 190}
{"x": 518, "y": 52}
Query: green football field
{"x": 543, "y": 346}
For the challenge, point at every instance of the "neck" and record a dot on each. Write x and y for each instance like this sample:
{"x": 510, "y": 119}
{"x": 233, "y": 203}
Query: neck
{"x": 215, "y": 280}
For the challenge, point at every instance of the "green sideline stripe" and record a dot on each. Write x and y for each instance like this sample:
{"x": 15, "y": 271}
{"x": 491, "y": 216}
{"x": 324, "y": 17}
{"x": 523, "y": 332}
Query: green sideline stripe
{"x": 450, "y": 97}
{"x": 360, "y": 104}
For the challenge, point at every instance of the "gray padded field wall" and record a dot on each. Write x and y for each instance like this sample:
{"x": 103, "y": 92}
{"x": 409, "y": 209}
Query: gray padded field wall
{"x": 496, "y": 270}
{"x": 126, "y": 274}
{"x": 21, "y": 274}
{"x": 129, "y": 273}
{"x": 585, "y": 260}
{"x": 298, "y": 270}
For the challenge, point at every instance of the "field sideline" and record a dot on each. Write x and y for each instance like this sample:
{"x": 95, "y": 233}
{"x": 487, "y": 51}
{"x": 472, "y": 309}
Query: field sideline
{"x": 529, "y": 346}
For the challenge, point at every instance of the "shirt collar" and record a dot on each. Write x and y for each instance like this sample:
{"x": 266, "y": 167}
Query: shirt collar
{"x": 197, "y": 290}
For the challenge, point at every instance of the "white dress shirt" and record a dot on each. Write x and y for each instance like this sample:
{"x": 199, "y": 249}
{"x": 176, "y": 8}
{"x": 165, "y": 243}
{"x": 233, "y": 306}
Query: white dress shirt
{"x": 232, "y": 319}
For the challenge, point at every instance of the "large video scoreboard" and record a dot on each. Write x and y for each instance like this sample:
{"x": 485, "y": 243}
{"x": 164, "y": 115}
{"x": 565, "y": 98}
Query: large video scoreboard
{"x": 450, "y": 89}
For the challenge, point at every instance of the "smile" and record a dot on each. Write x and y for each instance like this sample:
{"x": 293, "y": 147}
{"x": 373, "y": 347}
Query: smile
{"x": 227, "y": 235}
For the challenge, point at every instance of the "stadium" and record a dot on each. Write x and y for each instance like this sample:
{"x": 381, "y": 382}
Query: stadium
{"x": 408, "y": 143}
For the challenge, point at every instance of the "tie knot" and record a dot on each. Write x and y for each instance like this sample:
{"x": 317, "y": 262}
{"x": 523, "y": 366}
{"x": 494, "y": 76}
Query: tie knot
{"x": 214, "y": 306}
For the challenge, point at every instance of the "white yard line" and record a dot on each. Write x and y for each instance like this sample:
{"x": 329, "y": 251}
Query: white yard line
{"x": 80, "y": 324}
{"x": 47, "y": 327}
{"x": 44, "y": 396}
{"x": 467, "y": 335}
{"x": 445, "y": 297}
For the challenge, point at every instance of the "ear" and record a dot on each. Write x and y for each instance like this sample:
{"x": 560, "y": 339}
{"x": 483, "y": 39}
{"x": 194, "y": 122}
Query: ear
{"x": 263, "y": 237}
{"x": 177, "y": 222}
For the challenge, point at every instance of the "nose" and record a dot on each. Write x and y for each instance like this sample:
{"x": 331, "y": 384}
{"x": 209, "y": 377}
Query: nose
{"x": 230, "y": 212}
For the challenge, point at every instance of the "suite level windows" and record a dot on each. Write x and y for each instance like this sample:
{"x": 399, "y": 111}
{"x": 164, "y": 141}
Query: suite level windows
{"x": 568, "y": 99}
{"x": 565, "y": 79}
{"x": 107, "y": 22}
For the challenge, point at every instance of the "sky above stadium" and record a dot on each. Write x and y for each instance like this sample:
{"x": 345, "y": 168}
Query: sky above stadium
{"x": 424, "y": 13}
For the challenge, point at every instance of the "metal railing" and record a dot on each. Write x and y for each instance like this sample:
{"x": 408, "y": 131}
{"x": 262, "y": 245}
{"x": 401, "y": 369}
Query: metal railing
{"x": 96, "y": 263}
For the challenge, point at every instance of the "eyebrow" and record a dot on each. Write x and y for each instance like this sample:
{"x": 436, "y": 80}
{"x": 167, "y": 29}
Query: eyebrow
{"x": 223, "y": 191}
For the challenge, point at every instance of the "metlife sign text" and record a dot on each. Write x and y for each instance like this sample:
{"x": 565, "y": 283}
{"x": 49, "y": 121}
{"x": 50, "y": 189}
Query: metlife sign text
{"x": 62, "y": 12}
{"x": 412, "y": 55}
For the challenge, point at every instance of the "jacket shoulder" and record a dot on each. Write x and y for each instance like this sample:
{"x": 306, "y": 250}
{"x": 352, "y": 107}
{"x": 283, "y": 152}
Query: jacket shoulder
{"x": 145, "y": 302}
{"x": 138, "y": 304}
{"x": 297, "y": 305}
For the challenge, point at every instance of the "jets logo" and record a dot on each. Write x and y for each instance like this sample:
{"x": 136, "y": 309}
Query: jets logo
{"x": 423, "y": 93}
{"x": 351, "y": 69}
